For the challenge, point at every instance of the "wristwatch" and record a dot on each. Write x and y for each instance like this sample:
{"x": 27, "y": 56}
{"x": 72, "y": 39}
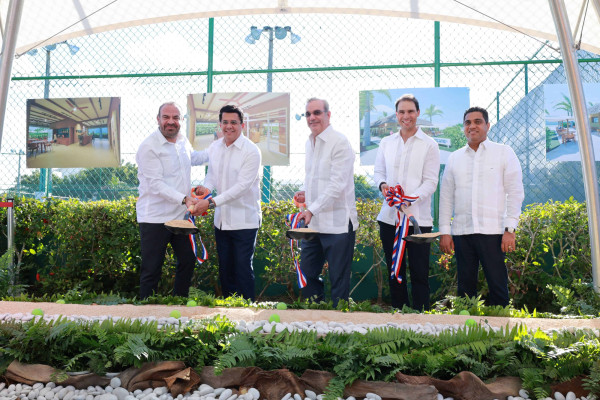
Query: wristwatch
{"x": 211, "y": 204}
{"x": 184, "y": 199}
{"x": 509, "y": 230}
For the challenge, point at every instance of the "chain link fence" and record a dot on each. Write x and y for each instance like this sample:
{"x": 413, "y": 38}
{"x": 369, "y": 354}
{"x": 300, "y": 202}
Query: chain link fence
{"x": 336, "y": 57}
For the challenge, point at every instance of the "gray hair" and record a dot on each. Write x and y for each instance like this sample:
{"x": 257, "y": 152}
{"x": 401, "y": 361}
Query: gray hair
{"x": 325, "y": 102}
{"x": 170, "y": 103}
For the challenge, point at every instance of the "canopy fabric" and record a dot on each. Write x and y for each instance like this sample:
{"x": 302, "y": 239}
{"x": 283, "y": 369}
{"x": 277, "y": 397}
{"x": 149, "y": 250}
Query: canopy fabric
{"x": 45, "y": 22}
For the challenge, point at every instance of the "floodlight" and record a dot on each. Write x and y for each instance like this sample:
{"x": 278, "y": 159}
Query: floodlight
{"x": 280, "y": 32}
{"x": 255, "y": 32}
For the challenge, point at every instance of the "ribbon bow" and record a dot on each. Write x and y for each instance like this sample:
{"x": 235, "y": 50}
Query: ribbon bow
{"x": 204, "y": 256}
{"x": 293, "y": 221}
{"x": 396, "y": 198}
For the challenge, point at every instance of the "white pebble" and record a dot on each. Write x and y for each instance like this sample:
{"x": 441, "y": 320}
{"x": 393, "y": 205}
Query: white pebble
{"x": 287, "y": 396}
{"x": 297, "y": 396}
{"x": 255, "y": 393}
{"x": 570, "y": 396}
{"x": 440, "y": 397}
{"x": 524, "y": 393}
{"x": 218, "y": 391}
{"x": 373, "y": 396}
{"x": 559, "y": 396}
{"x": 121, "y": 393}
{"x": 115, "y": 382}
{"x": 204, "y": 391}
{"x": 232, "y": 397}
{"x": 312, "y": 395}
{"x": 225, "y": 394}
{"x": 159, "y": 391}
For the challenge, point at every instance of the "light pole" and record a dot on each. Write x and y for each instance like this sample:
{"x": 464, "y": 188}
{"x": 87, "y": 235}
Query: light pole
{"x": 20, "y": 153}
{"x": 46, "y": 173}
{"x": 280, "y": 33}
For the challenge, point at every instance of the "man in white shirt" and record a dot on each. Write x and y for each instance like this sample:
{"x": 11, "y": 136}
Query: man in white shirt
{"x": 411, "y": 159}
{"x": 234, "y": 171}
{"x": 164, "y": 170}
{"x": 482, "y": 189}
{"x": 331, "y": 205}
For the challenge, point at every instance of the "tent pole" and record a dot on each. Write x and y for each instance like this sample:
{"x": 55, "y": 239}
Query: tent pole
{"x": 13, "y": 20}
{"x": 584, "y": 136}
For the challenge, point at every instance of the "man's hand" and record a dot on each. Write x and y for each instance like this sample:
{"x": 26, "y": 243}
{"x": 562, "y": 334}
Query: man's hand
{"x": 201, "y": 191}
{"x": 508, "y": 242}
{"x": 190, "y": 202}
{"x": 200, "y": 207}
{"x": 306, "y": 216}
{"x": 299, "y": 198}
{"x": 384, "y": 188}
{"x": 446, "y": 244}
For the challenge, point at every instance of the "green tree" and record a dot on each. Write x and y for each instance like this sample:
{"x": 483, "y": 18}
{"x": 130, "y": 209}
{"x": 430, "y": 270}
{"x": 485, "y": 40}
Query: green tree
{"x": 432, "y": 111}
{"x": 456, "y": 135}
{"x": 365, "y": 106}
{"x": 565, "y": 105}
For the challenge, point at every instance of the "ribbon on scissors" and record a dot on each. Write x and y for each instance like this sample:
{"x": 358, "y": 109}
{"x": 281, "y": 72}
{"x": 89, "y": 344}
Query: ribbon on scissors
{"x": 204, "y": 254}
{"x": 293, "y": 221}
{"x": 395, "y": 198}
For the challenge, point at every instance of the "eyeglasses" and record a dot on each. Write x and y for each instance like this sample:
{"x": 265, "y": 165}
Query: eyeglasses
{"x": 316, "y": 113}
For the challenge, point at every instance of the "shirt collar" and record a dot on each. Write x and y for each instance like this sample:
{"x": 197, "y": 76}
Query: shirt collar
{"x": 419, "y": 134}
{"x": 239, "y": 142}
{"x": 483, "y": 145}
{"x": 162, "y": 140}
{"x": 325, "y": 135}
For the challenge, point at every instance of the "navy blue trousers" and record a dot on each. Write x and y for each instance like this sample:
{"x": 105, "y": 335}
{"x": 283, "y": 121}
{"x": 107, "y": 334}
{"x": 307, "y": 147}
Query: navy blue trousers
{"x": 337, "y": 250}
{"x": 154, "y": 241}
{"x": 418, "y": 264}
{"x": 470, "y": 251}
{"x": 236, "y": 251}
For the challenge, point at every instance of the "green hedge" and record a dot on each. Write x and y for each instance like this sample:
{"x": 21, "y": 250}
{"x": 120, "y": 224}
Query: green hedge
{"x": 66, "y": 244}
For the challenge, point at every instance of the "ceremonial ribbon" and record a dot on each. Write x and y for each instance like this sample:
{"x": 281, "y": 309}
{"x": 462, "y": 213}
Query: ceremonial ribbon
{"x": 395, "y": 197}
{"x": 293, "y": 221}
{"x": 204, "y": 255}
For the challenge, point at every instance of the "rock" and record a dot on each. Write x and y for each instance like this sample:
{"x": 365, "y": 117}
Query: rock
{"x": 570, "y": 396}
{"x": 310, "y": 394}
{"x": 255, "y": 393}
{"x": 120, "y": 393}
{"x": 115, "y": 382}
{"x": 559, "y": 396}
{"x": 524, "y": 393}
{"x": 225, "y": 394}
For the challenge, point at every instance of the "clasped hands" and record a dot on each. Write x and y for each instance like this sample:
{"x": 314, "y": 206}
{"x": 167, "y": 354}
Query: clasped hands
{"x": 196, "y": 205}
{"x": 299, "y": 200}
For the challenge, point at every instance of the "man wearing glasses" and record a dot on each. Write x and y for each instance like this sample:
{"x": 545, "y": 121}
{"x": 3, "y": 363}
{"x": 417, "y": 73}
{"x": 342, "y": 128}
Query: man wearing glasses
{"x": 330, "y": 205}
{"x": 234, "y": 171}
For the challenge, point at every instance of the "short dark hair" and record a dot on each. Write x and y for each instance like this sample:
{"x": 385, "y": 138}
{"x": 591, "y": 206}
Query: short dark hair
{"x": 170, "y": 103}
{"x": 408, "y": 97}
{"x": 482, "y": 110}
{"x": 325, "y": 103}
{"x": 231, "y": 109}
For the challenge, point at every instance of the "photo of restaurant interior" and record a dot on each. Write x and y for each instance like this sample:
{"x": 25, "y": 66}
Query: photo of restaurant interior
{"x": 73, "y": 132}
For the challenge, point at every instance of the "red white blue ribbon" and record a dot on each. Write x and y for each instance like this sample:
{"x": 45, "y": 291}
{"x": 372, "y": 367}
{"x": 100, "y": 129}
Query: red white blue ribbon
{"x": 293, "y": 221}
{"x": 395, "y": 197}
{"x": 203, "y": 254}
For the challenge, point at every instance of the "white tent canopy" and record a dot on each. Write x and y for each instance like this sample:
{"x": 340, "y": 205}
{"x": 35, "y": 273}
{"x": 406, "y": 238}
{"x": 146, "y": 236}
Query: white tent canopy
{"x": 44, "y": 22}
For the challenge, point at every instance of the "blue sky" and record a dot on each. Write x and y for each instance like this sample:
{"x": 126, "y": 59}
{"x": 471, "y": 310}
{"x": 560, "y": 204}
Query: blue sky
{"x": 554, "y": 94}
{"x": 452, "y": 101}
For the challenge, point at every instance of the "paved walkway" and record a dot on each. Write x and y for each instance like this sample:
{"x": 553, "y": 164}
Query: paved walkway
{"x": 248, "y": 314}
